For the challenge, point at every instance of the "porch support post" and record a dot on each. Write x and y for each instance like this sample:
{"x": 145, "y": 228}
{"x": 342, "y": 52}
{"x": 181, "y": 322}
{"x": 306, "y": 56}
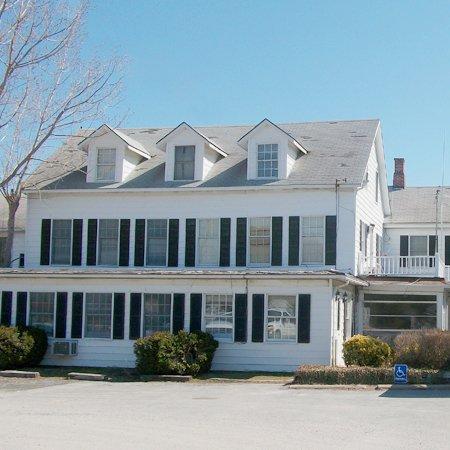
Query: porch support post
{"x": 440, "y": 311}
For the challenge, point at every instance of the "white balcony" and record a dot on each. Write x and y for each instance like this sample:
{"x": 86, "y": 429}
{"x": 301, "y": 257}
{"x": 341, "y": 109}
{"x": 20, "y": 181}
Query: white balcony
{"x": 425, "y": 266}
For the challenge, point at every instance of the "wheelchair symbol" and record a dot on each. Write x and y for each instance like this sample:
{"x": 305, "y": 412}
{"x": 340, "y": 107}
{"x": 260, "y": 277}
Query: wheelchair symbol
{"x": 401, "y": 373}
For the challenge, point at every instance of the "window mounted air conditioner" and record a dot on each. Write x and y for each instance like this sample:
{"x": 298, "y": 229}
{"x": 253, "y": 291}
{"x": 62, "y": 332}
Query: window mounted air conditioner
{"x": 65, "y": 348}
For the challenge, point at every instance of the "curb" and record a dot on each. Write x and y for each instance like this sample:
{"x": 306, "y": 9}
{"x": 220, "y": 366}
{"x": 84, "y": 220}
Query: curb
{"x": 176, "y": 378}
{"x": 372, "y": 387}
{"x": 86, "y": 376}
{"x": 413, "y": 387}
{"x": 19, "y": 374}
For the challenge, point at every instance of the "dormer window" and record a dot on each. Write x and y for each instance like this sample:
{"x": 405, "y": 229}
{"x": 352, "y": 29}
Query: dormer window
{"x": 267, "y": 161}
{"x": 106, "y": 164}
{"x": 184, "y": 162}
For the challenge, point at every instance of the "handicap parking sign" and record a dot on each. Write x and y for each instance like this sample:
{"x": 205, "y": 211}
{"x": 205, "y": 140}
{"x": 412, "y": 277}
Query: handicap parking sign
{"x": 400, "y": 374}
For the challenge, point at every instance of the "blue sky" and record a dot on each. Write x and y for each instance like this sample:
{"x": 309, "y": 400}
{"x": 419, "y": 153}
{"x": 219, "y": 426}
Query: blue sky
{"x": 236, "y": 62}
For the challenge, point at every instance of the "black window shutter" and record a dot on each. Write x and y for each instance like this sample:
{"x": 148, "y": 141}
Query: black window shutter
{"x": 294, "y": 241}
{"x": 189, "y": 255}
{"x": 5, "y": 318}
{"x": 330, "y": 240}
{"x": 139, "y": 242}
{"x": 61, "y": 315}
{"x": 240, "y": 318}
{"x": 258, "y": 318}
{"x": 119, "y": 316}
{"x": 277, "y": 241}
{"x": 21, "y": 313}
{"x": 432, "y": 240}
{"x": 77, "y": 315}
{"x": 91, "y": 258}
{"x": 404, "y": 246}
{"x": 304, "y": 318}
{"x": 124, "y": 242}
{"x": 77, "y": 241}
{"x": 225, "y": 231}
{"x": 178, "y": 313}
{"x": 22, "y": 260}
{"x": 174, "y": 225}
{"x": 46, "y": 230}
{"x": 241, "y": 241}
{"x": 135, "y": 315}
{"x": 196, "y": 312}
{"x": 447, "y": 250}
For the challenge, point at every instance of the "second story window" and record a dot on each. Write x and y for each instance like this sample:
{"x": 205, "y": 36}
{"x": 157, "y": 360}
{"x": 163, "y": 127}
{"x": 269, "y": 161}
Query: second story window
{"x": 418, "y": 245}
{"x": 259, "y": 240}
{"x": 106, "y": 164}
{"x": 61, "y": 241}
{"x": 313, "y": 240}
{"x": 267, "y": 161}
{"x": 208, "y": 242}
{"x": 108, "y": 242}
{"x": 184, "y": 162}
{"x": 156, "y": 242}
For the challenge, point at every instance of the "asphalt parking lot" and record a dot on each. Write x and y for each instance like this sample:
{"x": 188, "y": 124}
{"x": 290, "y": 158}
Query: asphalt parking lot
{"x": 61, "y": 414}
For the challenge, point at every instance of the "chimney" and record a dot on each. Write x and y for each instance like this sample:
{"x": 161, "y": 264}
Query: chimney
{"x": 399, "y": 173}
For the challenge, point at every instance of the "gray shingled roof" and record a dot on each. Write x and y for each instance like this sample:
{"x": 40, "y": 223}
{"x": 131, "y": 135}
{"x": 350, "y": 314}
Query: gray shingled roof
{"x": 335, "y": 150}
{"x": 418, "y": 205}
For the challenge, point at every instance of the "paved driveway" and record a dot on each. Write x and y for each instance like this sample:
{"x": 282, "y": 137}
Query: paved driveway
{"x": 169, "y": 415}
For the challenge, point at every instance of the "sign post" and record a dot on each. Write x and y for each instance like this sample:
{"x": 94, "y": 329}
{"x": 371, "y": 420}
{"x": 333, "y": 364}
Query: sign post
{"x": 400, "y": 374}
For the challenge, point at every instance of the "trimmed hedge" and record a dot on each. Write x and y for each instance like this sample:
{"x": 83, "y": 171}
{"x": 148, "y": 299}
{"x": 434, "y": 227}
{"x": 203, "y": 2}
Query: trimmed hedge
{"x": 361, "y": 375}
{"x": 21, "y": 347}
{"x": 362, "y": 350}
{"x": 184, "y": 353}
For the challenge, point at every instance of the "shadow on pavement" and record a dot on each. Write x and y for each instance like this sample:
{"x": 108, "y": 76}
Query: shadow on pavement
{"x": 416, "y": 393}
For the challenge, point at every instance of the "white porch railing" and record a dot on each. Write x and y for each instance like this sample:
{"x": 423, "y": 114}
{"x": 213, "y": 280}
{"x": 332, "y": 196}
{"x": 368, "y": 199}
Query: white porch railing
{"x": 428, "y": 266}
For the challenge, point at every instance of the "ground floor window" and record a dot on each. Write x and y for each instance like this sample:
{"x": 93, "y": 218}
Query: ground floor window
{"x": 98, "y": 315}
{"x": 42, "y": 311}
{"x": 157, "y": 313}
{"x": 281, "y": 318}
{"x": 219, "y": 316}
{"x": 392, "y": 312}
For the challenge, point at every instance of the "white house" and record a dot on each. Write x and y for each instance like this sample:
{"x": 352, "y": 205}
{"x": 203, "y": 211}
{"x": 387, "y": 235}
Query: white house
{"x": 281, "y": 240}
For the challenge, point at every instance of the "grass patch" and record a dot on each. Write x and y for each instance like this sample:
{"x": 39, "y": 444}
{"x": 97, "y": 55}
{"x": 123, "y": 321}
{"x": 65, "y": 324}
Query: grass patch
{"x": 256, "y": 377}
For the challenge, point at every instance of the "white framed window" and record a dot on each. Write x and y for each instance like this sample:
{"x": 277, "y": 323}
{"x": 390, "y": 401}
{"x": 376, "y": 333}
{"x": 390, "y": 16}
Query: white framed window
{"x": 259, "y": 240}
{"x": 157, "y": 241}
{"x": 157, "y": 313}
{"x": 61, "y": 241}
{"x": 418, "y": 245}
{"x": 98, "y": 315}
{"x": 108, "y": 242}
{"x": 184, "y": 162}
{"x": 106, "y": 164}
{"x": 313, "y": 240}
{"x": 267, "y": 160}
{"x": 208, "y": 242}
{"x": 42, "y": 311}
{"x": 219, "y": 320}
{"x": 281, "y": 318}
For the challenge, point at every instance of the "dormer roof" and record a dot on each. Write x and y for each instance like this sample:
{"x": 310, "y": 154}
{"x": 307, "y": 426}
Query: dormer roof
{"x": 182, "y": 127}
{"x": 243, "y": 141}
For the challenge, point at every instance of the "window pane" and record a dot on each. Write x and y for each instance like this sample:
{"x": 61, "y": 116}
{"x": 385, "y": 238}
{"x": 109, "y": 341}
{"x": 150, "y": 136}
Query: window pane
{"x": 42, "y": 311}
{"x": 281, "y": 318}
{"x": 208, "y": 242}
{"x": 157, "y": 312}
{"x": 418, "y": 246}
{"x": 156, "y": 242}
{"x": 61, "y": 241}
{"x": 184, "y": 162}
{"x": 259, "y": 240}
{"x": 267, "y": 159}
{"x": 98, "y": 316}
{"x": 106, "y": 164}
{"x": 108, "y": 237}
{"x": 219, "y": 316}
{"x": 313, "y": 240}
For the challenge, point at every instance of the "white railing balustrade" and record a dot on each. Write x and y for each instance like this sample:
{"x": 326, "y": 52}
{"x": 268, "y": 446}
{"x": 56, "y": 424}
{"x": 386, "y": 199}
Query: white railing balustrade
{"x": 401, "y": 265}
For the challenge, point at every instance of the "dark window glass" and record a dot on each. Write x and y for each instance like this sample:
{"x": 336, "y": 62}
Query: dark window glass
{"x": 184, "y": 162}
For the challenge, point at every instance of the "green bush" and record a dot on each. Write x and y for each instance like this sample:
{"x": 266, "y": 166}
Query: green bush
{"x": 361, "y": 375}
{"x": 40, "y": 344}
{"x": 423, "y": 349}
{"x": 362, "y": 350}
{"x": 14, "y": 347}
{"x": 180, "y": 354}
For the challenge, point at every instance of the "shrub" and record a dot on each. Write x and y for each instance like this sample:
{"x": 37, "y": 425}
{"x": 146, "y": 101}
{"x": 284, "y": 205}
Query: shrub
{"x": 362, "y": 350}
{"x": 360, "y": 375}
{"x": 423, "y": 349}
{"x": 40, "y": 344}
{"x": 181, "y": 354}
{"x": 14, "y": 347}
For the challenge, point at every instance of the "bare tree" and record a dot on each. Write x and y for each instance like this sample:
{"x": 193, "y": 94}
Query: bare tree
{"x": 48, "y": 91}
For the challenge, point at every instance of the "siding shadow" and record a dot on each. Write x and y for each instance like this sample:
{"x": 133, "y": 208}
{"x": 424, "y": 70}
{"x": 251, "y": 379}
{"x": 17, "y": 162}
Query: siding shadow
{"x": 428, "y": 392}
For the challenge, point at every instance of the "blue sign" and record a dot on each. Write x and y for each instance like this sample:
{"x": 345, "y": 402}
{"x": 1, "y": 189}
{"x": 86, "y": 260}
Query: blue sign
{"x": 400, "y": 374}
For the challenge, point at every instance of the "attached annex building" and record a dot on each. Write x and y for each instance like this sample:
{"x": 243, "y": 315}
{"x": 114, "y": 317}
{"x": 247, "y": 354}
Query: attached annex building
{"x": 274, "y": 238}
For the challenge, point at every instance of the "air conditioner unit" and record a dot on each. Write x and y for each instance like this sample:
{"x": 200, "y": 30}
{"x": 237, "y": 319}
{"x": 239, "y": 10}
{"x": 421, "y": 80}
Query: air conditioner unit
{"x": 65, "y": 348}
